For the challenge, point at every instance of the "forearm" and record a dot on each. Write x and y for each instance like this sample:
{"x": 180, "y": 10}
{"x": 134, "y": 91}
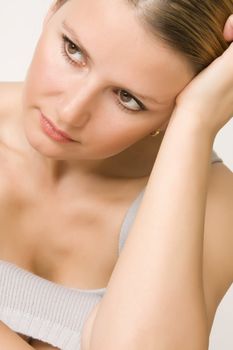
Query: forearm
{"x": 158, "y": 277}
{"x": 9, "y": 340}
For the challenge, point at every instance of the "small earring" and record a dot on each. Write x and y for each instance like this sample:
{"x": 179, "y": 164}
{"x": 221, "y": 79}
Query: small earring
{"x": 154, "y": 134}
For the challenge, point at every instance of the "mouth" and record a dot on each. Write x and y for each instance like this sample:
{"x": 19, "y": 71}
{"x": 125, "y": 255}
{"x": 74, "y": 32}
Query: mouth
{"x": 53, "y": 132}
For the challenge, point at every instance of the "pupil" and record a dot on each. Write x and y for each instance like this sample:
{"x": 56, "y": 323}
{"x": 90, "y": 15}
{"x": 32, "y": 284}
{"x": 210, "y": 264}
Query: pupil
{"x": 125, "y": 96}
{"x": 72, "y": 48}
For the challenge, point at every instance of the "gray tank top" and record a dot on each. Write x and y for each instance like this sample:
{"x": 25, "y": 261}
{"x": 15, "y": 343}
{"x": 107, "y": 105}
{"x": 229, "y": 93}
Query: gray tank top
{"x": 47, "y": 311}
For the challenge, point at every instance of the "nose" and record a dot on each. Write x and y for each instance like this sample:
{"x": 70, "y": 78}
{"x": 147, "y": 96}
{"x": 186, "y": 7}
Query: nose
{"x": 76, "y": 103}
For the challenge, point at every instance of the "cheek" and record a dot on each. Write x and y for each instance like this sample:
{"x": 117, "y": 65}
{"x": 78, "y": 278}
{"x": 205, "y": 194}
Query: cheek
{"x": 116, "y": 137}
{"x": 46, "y": 69}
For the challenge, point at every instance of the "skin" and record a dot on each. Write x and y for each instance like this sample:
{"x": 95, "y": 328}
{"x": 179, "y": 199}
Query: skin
{"x": 190, "y": 235}
{"x": 113, "y": 142}
{"x": 52, "y": 86}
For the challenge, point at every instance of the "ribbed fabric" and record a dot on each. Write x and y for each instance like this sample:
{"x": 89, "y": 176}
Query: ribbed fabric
{"x": 42, "y": 309}
{"x": 47, "y": 311}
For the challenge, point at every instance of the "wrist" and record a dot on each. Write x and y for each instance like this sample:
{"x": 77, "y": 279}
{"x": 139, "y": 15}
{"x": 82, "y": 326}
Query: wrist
{"x": 186, "y": 121}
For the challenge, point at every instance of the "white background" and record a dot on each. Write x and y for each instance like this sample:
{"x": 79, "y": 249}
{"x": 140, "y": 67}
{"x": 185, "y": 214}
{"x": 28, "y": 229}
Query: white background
{"x": 20, "y": 26}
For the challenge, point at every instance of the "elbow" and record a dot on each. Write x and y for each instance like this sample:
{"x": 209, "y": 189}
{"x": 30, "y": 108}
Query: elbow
{"x": 159, "y": 342}
{"x": 183, "y": 330}
{"x": 194, "y": 338}
{"x": 169, "y": 333}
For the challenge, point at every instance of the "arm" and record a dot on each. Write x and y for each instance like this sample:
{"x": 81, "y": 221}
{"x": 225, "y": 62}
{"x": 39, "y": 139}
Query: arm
{"x": 9, "y": 340}
{"x": 155, "y": 298}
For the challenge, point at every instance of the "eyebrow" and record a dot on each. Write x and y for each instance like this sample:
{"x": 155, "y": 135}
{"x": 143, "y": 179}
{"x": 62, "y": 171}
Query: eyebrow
{"x": 76, "y": 40}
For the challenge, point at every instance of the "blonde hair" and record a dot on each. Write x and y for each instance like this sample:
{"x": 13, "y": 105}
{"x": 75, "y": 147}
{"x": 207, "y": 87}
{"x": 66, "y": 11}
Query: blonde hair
{"x": 193, "y": 28}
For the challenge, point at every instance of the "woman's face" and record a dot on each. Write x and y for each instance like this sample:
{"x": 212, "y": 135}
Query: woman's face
{"x": 100, "y": 77}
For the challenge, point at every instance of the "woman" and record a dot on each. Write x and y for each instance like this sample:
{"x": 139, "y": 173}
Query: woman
{"x": 121, "y": 98}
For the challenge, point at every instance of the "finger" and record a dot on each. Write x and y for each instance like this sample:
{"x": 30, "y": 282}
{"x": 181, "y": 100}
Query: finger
{"x": 228, "y": 29}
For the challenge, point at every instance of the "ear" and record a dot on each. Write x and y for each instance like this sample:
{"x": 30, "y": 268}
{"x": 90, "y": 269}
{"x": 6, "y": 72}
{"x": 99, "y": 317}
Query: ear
{"x": 163, "y": 127}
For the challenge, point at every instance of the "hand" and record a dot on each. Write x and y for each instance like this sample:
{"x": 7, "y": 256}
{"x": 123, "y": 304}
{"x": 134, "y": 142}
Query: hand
{"x": 209, "y": 96}
{"x": 39, "y": 345}
{"x": 10, "y": 340}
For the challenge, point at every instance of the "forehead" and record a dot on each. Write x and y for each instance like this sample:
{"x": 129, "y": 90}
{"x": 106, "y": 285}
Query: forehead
{"x": 123, "y": 50}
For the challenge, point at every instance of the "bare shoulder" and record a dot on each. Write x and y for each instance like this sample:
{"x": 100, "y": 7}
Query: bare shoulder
{"x": 9, "y": 92}
{"x": 10, "y": 103}
{"x": 218, "y": 238}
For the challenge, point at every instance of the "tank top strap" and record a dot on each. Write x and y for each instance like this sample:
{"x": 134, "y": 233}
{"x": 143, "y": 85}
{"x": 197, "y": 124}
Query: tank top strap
{"x": 129, "y": 219}
{"x": 133, "y": 209}
{"x": 215, "y": 158}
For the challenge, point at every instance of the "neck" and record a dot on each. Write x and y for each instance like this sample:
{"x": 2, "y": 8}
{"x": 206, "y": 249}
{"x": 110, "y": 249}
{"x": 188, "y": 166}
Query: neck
{"x": 135, "y": 162}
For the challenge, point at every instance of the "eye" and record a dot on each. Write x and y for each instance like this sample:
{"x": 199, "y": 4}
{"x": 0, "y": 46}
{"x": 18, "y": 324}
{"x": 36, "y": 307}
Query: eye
{"x": 130, "y": 102}
{"x": 72, "y": 52}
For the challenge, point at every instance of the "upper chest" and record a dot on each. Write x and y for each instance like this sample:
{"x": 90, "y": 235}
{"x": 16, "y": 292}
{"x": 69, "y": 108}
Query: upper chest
{"x": 50, "y": 239}
{"x": 74, "y": 243}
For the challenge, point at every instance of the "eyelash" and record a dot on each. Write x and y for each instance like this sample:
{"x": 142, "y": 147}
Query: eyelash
{"x": 127, "y": 109}
{"x": 66, "y": 40}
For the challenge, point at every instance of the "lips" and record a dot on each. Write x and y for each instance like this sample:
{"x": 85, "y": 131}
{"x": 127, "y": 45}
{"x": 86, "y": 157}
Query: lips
{"x": 53, "y": 131}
